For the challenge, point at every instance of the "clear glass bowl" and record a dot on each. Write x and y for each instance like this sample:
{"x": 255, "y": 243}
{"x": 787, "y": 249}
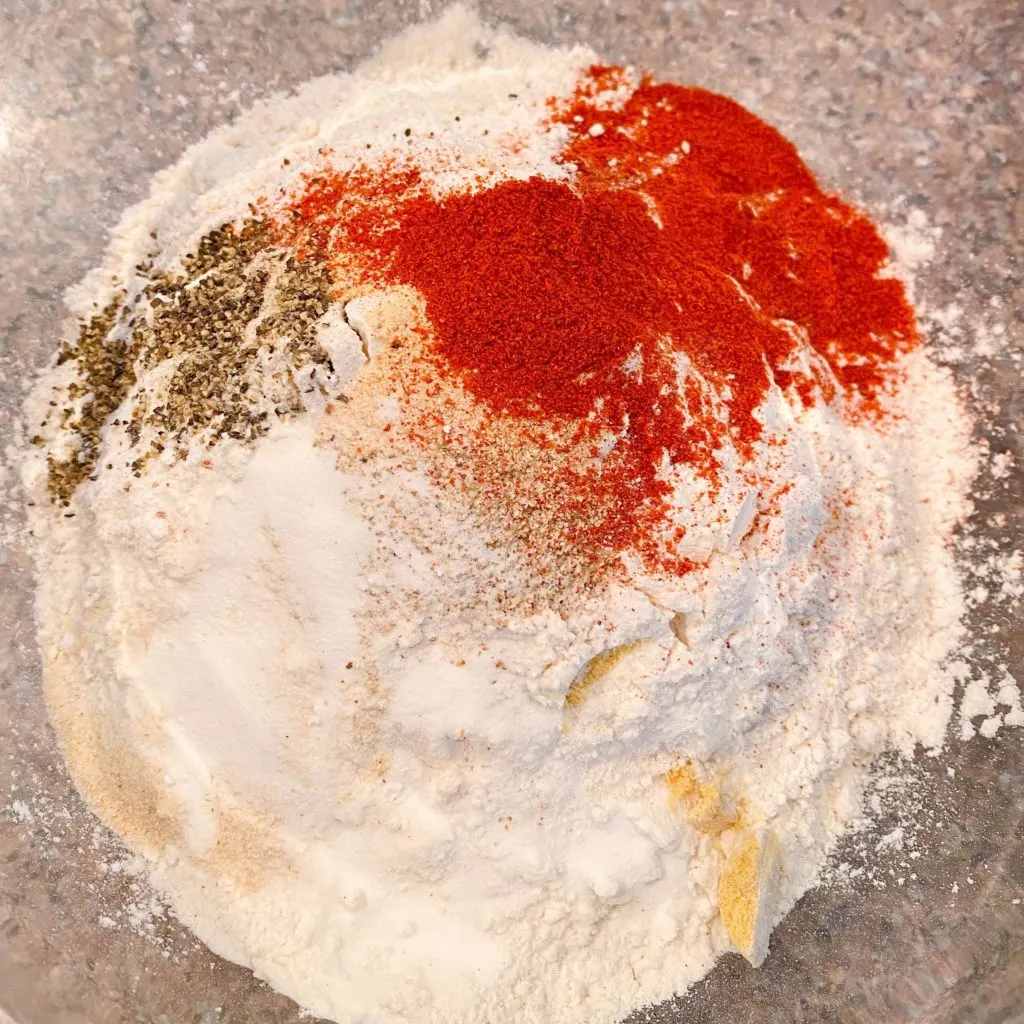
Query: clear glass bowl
{"x": 897, "y": 105}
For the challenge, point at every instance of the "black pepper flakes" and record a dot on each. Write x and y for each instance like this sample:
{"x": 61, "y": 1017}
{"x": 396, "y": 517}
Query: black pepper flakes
{"x": 235, "y": 300}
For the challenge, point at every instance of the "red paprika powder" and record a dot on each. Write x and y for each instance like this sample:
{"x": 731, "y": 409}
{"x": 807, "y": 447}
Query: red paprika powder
{"x": 690, "y": 253}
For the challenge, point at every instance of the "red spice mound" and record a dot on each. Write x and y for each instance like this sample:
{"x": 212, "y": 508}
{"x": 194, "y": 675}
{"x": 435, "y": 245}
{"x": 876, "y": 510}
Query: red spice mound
{"x": 530, "y": 285}
{"x": 691, "y": 237}
{"x": 734, "y": 195}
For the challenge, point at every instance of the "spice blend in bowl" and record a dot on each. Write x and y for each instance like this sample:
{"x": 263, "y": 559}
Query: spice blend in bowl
{"x": 494, "y": 511}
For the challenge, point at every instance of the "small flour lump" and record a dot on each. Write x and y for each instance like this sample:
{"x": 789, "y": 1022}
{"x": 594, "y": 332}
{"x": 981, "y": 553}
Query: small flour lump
{"x": 369, "y": 752}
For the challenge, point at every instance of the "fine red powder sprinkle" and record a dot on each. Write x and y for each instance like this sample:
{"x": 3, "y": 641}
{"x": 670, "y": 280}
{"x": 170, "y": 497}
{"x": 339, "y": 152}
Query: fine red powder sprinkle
{"x": 690, "y": 238}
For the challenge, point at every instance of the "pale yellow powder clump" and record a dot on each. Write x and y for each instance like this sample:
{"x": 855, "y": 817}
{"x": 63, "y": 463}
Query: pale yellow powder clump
{"x": 597, "y": 668}
{"x": 747, "y": 892}
{"x": 706, "y": 807}
{"x": 749, "y": 880}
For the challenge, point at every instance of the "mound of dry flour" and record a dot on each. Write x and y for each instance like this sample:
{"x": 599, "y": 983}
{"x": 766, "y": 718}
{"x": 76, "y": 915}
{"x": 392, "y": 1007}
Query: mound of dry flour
{"x": 367, "y": 746}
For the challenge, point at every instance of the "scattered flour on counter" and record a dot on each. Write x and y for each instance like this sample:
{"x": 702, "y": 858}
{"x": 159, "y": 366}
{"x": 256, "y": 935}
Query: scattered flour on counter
{"x": 360, "y": 739}
{"x": 128, "y": 901}
{"x": 1002, "y": 465}
{"x": 996, "y": 701}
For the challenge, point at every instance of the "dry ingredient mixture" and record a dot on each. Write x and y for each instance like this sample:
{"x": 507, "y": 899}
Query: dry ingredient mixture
{"x": 495, "y": 509}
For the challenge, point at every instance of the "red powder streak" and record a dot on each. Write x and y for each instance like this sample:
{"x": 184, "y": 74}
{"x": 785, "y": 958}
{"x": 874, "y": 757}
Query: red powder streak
{"x": 336, "y": 211}
{"x": 691, "y": 236}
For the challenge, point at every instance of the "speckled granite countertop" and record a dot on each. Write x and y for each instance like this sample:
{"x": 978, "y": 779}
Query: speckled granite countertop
{"x": 898, "y": 105}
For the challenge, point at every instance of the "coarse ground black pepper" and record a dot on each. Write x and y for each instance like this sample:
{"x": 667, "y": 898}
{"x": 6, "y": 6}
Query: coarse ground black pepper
{"x": 234, "y": 302}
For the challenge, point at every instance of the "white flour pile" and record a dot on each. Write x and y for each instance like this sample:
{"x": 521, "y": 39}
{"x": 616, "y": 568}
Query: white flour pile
{"x": 372, "y": 744}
